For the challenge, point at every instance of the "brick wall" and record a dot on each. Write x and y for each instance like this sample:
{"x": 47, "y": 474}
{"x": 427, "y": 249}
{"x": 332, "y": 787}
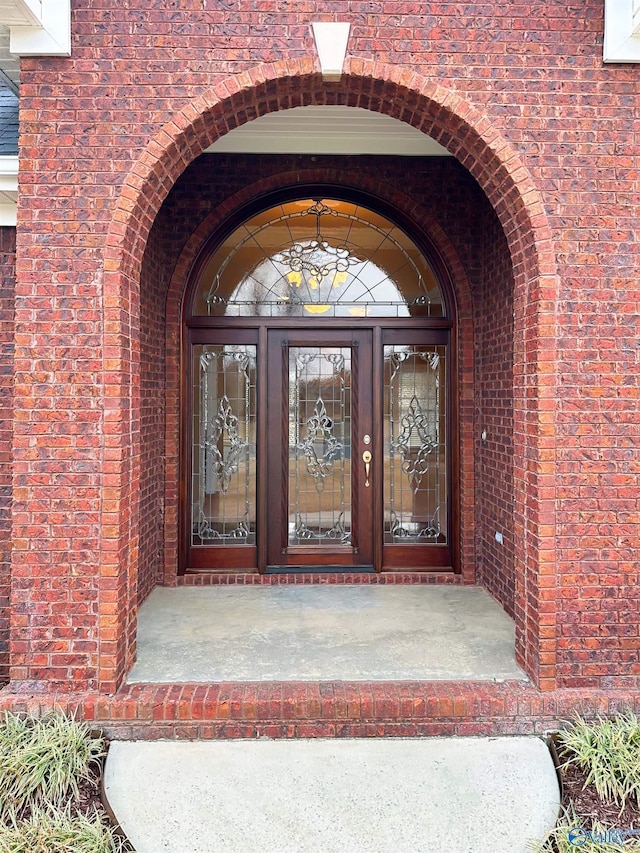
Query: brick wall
{"x": 152, "y": 414}
{"x": 598, "y": 466}
{"x": 493, "y": 328}
{"x": 7, "y": 287}
{"x": 520, "y": 93}
{"x": 229, "y": 710}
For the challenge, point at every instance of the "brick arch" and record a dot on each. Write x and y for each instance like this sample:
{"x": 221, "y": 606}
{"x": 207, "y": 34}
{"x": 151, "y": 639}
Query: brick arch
{"x": 440, "y": 241}
{"x": 473, "y": 139}
{"x": 436, "y": 111}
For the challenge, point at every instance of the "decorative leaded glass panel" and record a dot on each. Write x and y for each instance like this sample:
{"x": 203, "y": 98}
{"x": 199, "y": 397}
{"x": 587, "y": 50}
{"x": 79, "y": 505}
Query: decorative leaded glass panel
{"x": 322, "y": 259}
{"x": 319, "y": 446}
{"x": 415, "y": 498}
{"x": 223, "y": 478}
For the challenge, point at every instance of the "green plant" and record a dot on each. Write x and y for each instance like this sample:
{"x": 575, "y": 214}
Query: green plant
{"x": 608, "y": 751}
{"x": 572, "y": 833}
{"x": 49, "y": 830}
{"x": 43, "y": 760}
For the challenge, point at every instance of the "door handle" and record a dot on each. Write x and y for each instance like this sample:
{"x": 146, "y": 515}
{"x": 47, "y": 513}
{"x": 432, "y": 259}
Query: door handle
{"x": 366, "y": 458}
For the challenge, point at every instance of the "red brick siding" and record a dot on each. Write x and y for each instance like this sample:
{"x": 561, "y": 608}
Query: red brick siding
{"x": 7, "y": 291}
{"x": 152, "y": 415}
{"x": 598, "y": 466}
{"x": 519, "y": 92}
{"x": 493, "y": 330}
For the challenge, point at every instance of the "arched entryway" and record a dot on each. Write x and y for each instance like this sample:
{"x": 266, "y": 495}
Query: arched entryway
{"x": 319, "y": 406}
{"x": 477, "y": 145}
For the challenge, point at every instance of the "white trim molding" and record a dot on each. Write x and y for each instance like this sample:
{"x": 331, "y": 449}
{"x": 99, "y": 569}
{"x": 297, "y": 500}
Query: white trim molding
{"x": 331, "y": 43}
{"x": 8, "y": 190}
{"x": 621, "y": 31}
{"x": 38, "y": 27}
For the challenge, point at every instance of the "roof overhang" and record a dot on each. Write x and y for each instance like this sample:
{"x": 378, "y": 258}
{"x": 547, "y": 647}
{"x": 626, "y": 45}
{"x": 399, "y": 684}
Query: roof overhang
{"x": 8, "y": 190}
{"x": 621, "y": 31}
{"x": 38, "y": 27}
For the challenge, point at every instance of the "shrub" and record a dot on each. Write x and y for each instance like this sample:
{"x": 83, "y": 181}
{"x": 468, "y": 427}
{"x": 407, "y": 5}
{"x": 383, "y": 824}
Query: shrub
{"x": 609, "y": 753}
{"x": 50, "y": 830}
{"x": 42, "y": 761}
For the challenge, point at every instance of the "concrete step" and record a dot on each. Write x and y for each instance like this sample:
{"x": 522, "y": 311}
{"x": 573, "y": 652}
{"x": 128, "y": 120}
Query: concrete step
{"x": 468, "y": 795}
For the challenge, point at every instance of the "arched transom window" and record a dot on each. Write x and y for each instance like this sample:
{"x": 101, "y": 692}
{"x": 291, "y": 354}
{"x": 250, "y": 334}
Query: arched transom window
{"x": 318, "y": 258}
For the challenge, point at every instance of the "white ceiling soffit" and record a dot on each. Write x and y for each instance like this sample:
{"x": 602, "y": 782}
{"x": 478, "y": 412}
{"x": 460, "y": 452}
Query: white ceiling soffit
{"x": 26, "y": 13}
{"x": 38, "y": 27}
{"x": 330, "y": 129}
{"x": 8, "y": 190}
{"x": 621, "y": 31}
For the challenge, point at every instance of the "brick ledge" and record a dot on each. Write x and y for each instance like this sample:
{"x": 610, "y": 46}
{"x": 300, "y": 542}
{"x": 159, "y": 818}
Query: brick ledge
{"x": 326, "y": 709}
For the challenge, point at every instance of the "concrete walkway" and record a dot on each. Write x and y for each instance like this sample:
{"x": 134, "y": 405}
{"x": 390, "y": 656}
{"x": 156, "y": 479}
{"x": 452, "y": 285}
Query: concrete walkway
{"x": 323, "y": 633}
{"x": 436, "y": 795}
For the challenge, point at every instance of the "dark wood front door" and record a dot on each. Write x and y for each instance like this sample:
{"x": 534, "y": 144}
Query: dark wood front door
{"x": 318, "y": 448}
{"x": 319, "y": 434}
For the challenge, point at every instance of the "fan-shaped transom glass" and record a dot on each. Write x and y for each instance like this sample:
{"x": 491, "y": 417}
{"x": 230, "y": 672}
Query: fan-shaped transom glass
{"x": 318, "y": 258}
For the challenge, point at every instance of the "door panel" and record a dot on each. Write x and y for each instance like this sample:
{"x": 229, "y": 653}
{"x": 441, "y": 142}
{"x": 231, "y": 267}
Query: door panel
{"x": 318, "y": 411}
{"x": 222, "y": 516}
{"x": 414, "y": 450}
{"x": 319, "y": 511}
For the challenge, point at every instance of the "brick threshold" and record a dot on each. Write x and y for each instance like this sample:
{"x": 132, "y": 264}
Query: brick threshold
{"x": 327, "y": 709}
{"x": 311, "y": 578}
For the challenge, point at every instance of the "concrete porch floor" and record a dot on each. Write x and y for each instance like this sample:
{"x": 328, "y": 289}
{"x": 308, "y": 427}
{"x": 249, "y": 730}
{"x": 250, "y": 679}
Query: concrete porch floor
{"x": 323, "y": 633}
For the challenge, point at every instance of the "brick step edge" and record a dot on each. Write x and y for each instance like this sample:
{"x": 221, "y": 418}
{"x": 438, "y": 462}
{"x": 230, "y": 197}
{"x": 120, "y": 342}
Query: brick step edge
{"x": 326, "y": 709}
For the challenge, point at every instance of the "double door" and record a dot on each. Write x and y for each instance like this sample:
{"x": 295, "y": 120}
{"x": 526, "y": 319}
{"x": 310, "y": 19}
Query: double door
{"x": 318, "y": 449}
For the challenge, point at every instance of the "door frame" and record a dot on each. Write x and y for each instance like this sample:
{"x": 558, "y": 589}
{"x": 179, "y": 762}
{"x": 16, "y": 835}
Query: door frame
{"x": 216, "y": 325}
{"x": 255, "y": 330}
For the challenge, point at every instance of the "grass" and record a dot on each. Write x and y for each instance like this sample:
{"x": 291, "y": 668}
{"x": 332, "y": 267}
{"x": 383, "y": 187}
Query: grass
{"x": 43, "y": 763}
{"x": 60, "y": 830}
{"x": 609, "y": 752}
{"x": 43, "y": 760}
